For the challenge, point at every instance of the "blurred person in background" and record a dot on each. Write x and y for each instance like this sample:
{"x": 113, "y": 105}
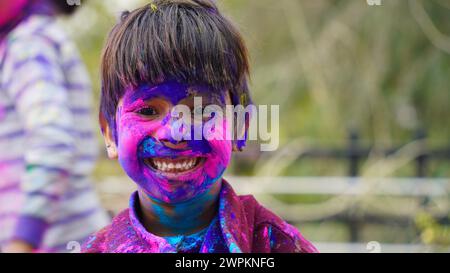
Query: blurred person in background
{"x": 47, "y": 143}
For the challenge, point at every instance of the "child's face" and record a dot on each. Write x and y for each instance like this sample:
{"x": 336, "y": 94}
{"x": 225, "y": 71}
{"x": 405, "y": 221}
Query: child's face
{"x": 165, "y": 169}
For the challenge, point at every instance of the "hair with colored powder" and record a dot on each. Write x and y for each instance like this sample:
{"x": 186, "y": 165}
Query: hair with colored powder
{"x": 185, "y": 40}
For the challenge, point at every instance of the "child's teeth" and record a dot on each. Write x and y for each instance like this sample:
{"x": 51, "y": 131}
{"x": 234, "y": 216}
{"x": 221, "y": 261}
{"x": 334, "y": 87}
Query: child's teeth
{"x": 177, "y": 165}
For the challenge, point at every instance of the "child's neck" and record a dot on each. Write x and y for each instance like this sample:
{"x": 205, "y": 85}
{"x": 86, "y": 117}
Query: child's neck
{"x": 184, "y": 218}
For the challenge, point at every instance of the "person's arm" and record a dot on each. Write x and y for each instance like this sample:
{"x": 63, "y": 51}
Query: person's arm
{"x": 35, "y": 82}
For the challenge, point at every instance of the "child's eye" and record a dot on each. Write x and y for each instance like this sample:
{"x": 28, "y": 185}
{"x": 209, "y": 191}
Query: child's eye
{"x": 147, "y": 111}
{"x": 208, "y": 112}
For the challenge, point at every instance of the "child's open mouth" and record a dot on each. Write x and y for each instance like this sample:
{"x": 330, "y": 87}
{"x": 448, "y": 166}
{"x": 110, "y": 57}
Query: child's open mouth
{"x": 177, "y": 165}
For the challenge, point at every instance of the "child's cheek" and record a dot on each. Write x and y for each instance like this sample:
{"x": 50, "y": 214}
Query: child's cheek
{"x": 131, "y": 132}
{"x": 221, "y": 149}
{"x": 127, "y": 149}
{"x": 220, "y": 158}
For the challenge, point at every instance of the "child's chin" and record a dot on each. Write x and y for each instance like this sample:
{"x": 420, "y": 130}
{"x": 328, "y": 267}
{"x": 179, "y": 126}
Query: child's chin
{"x": 178, "y": 199}
{"x": 176, "y": 193}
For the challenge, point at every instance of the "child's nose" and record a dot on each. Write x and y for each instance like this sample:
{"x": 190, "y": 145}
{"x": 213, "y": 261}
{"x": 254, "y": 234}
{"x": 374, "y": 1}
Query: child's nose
{"x": 165, "y": 135}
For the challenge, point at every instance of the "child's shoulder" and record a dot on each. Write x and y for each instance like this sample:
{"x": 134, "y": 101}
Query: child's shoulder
{"x": 100, "y": 241}
{"x": 260, "y": 215}
{"x": 272, "y": 229}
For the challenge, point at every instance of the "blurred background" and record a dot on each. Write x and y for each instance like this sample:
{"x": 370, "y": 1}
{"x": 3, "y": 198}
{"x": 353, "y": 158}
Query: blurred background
{"x": 364, "y": 94}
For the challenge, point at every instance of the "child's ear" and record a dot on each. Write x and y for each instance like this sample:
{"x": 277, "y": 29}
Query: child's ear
{"x": 240, "y": 133}
{"x": 110, "y": 143}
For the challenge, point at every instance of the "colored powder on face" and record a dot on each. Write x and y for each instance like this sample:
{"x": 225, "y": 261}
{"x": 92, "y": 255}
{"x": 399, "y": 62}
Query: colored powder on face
{"x": 140, "y": 139}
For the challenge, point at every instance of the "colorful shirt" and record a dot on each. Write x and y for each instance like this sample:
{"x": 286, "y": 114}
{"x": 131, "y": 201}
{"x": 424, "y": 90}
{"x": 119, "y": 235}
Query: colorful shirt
{"x": 47, "y": 143}
{"x": 188, "y": 243}
{"x": 242, "y": 226}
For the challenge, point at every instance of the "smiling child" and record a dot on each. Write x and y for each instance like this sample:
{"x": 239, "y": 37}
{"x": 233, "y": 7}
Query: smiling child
{"x": 158, "y": 57}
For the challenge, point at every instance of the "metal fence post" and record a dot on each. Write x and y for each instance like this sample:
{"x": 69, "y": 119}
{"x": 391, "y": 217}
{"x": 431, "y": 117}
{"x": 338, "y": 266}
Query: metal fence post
{"x": 353, "y": 153}
{"x": 422, "y": 158}
{"x": 353, "y": 157}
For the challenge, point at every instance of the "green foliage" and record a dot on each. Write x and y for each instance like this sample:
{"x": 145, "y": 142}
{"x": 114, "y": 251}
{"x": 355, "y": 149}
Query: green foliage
{"x": 431, "y": 231}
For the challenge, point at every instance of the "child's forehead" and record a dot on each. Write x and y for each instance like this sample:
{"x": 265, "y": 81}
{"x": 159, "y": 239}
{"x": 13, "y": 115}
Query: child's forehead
{"x": 174, "y": 92}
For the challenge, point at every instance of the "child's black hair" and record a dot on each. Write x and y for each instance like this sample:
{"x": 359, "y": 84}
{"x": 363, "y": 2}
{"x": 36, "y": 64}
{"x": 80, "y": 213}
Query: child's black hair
{"x": 186, "y": 40}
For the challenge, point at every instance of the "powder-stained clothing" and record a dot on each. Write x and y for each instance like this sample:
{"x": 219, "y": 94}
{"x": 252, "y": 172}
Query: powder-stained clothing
{"x": 189, "y": 243}
{"x": 47, "y": 141}
{"x": 243, "y": 226}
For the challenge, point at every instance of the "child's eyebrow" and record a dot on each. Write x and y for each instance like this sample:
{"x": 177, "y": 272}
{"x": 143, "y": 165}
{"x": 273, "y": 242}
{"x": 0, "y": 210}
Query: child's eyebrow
{"x": 142, "y": 93}
{"x": 173, "y": 93}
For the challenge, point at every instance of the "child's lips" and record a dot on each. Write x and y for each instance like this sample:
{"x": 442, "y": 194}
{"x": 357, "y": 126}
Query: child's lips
{"x": 174, "y": 166}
